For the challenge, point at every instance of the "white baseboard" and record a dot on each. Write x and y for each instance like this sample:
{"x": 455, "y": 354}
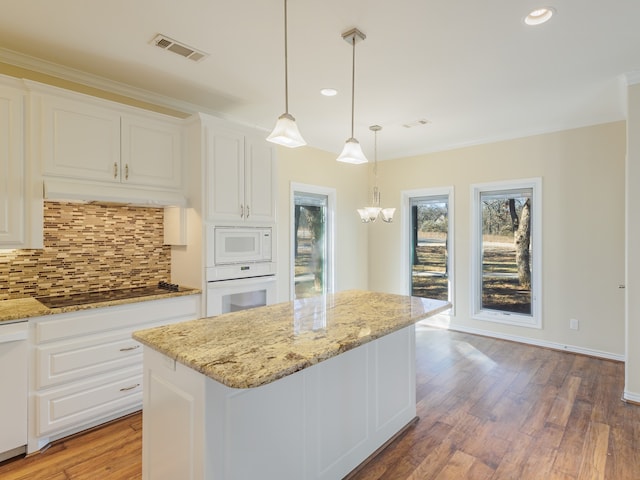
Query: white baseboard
{"x": 631, "y": 397}
{"x": 530, "y": 341}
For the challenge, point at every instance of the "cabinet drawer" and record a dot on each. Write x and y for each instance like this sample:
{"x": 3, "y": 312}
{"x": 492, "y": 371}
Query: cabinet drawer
{"x": 67, "y": 361}
{"x": 67, "y": 407}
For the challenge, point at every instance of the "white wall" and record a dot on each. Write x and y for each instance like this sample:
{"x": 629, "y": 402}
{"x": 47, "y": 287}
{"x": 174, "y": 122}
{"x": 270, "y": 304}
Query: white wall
{"x": 583, "y": 229}
{"x": 315, "y": 167}
{"x": 632, "y": 371}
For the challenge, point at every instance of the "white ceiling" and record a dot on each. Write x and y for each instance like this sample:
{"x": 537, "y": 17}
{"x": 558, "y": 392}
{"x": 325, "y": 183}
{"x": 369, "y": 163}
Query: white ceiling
{"x": 472, "y": 68}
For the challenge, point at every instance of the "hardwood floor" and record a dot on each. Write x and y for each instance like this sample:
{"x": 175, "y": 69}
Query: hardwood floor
{"x": 489, "y": 409}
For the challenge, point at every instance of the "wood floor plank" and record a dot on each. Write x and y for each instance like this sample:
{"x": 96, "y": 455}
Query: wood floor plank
{"x": 489, "y": 410}
{"x": 563, "y": 404}
{"x": 570, "y": 449}
{"x": 594, "y": 453}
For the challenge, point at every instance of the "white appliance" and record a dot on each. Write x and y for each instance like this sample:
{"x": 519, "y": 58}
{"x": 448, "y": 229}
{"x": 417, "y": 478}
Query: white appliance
{"x": 241, "y": 268}
{"x": 239, "y": 252}
{"x": 14, "y": 389}
{"x": 226, "y": 296}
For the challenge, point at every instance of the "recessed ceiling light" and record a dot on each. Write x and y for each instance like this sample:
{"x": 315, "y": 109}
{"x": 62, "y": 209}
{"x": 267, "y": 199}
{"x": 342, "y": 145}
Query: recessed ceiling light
{"x": 539, "y": 16}
{"x": 329, "y": 92}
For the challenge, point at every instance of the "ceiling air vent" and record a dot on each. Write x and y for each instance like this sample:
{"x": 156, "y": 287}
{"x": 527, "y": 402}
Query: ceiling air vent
{"x": 417, "y": 123}
{"x": 181, "y": 49}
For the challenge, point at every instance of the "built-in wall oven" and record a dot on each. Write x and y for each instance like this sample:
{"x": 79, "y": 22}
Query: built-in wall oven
{"x": 241, "y": 268}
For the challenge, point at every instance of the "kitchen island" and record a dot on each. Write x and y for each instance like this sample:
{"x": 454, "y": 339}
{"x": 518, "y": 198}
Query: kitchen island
{"x": 299, "y": 390}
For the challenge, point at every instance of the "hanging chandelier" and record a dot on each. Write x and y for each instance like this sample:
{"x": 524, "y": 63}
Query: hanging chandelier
{"x": 352, "y": 151}
{"x": 286, "y": 131}
{"x": 371, "y": 214}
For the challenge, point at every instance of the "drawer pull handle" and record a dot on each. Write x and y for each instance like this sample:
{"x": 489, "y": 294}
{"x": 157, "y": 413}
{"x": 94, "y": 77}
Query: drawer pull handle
{"x": 126, "y": 389}
{"x": 127, "y": 349}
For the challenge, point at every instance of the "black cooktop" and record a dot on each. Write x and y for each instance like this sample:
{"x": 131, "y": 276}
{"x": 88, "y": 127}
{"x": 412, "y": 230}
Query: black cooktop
{"x": 84, "y": 298}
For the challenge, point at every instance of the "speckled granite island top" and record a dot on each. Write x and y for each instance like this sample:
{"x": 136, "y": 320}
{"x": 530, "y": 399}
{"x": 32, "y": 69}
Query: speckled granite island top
{"x": 254, "y": 347}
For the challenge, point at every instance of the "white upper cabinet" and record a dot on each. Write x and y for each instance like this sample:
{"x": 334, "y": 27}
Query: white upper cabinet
{"x": 259, "y": 178}
{"x": 12, "y": 164}
{"x": 224, "y": 180}
{"x": 240, "y": 176}
{"x": 82, "y": 138}
{"x": 79, "y": 140}
{"x": 151, "y": 151}
{"x": 20, "y": 208}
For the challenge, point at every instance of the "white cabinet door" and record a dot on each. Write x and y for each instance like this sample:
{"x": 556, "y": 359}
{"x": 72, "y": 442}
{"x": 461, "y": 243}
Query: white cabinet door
{"x": 260, "y": 177}
{"x": 12, "y": 168}
{"x": 13, "y": 381}
{"x": 151, "y": 152}
{"x": 79, "y": 140}
{"x": 225, "y": 176}
{"x": 240, "y": 177}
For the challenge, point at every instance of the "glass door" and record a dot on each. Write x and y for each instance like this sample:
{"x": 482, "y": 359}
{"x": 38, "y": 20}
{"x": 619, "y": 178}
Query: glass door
{"x": 430, "y": 247}
{"x": 310, "y": 244}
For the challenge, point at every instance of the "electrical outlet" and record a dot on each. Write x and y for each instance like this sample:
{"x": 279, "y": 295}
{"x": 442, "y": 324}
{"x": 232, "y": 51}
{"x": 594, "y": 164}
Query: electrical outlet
{"x": 574, "y": 324}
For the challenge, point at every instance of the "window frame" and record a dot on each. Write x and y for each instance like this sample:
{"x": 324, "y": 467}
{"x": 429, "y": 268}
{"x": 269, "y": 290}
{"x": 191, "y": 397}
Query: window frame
{"x": 330, "y": 232}
{"x": 511, "y": 318}
{"x": 405, "y": 251}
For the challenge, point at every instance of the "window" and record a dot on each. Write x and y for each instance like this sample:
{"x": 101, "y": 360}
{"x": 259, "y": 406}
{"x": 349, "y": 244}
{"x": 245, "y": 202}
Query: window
{"x": 312, "y": 262}
{"x": 430, "y": 247}
{"x": 427, "y": 218}
{"x": 506, "y": 256}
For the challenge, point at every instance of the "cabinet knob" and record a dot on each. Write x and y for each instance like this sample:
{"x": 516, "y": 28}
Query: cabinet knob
{"x": 115, "y": 170}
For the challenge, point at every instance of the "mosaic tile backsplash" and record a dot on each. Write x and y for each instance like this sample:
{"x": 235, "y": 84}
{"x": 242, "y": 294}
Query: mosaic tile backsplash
{"x": 89, "y": 247}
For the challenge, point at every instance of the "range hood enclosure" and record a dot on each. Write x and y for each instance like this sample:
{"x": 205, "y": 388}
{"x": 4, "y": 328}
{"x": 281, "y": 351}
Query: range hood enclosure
{"x": 84, "y": 192}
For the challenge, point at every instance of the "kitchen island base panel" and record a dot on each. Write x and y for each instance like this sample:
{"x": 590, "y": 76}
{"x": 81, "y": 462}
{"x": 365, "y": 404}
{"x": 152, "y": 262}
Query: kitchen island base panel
{"x": 318, "y": 423}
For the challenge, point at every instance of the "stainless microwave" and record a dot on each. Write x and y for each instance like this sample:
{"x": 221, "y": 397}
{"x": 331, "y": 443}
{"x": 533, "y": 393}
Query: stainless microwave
{"x": 238, "y": 245}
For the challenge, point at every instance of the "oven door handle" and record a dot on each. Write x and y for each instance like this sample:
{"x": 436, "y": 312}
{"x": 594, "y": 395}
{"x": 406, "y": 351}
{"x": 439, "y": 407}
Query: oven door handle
{"x": 242, "y": 281}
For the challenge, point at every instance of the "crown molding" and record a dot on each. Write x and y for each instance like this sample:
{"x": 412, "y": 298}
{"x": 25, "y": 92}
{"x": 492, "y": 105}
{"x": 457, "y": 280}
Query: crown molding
{"x": 94, "y": 81}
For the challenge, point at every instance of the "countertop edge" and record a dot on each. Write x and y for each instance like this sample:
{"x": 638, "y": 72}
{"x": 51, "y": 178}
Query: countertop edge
{"x": 30, "y": 307}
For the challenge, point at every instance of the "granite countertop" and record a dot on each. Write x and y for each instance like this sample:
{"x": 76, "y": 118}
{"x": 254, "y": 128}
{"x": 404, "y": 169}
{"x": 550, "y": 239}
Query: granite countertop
{"x": 254, "y": 347}
{"x": 25, "y": 308}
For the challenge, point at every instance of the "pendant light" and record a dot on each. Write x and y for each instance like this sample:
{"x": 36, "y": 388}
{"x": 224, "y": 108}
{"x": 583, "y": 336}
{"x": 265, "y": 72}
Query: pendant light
{"x": 286, "y": 131}
{"x": 371, "y": 214}
{"x": 352, "y": 151}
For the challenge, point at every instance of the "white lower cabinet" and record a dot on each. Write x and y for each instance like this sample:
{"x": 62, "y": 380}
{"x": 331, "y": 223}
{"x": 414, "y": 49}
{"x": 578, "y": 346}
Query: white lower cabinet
{"x": 319, "y": 423}
{"x": 85, "y": 367}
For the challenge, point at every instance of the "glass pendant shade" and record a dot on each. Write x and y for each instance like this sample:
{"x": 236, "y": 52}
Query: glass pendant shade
{"x": 352, "y": 152}
{"x": 286, "y": 132}
{"x": 387, "y": 214}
